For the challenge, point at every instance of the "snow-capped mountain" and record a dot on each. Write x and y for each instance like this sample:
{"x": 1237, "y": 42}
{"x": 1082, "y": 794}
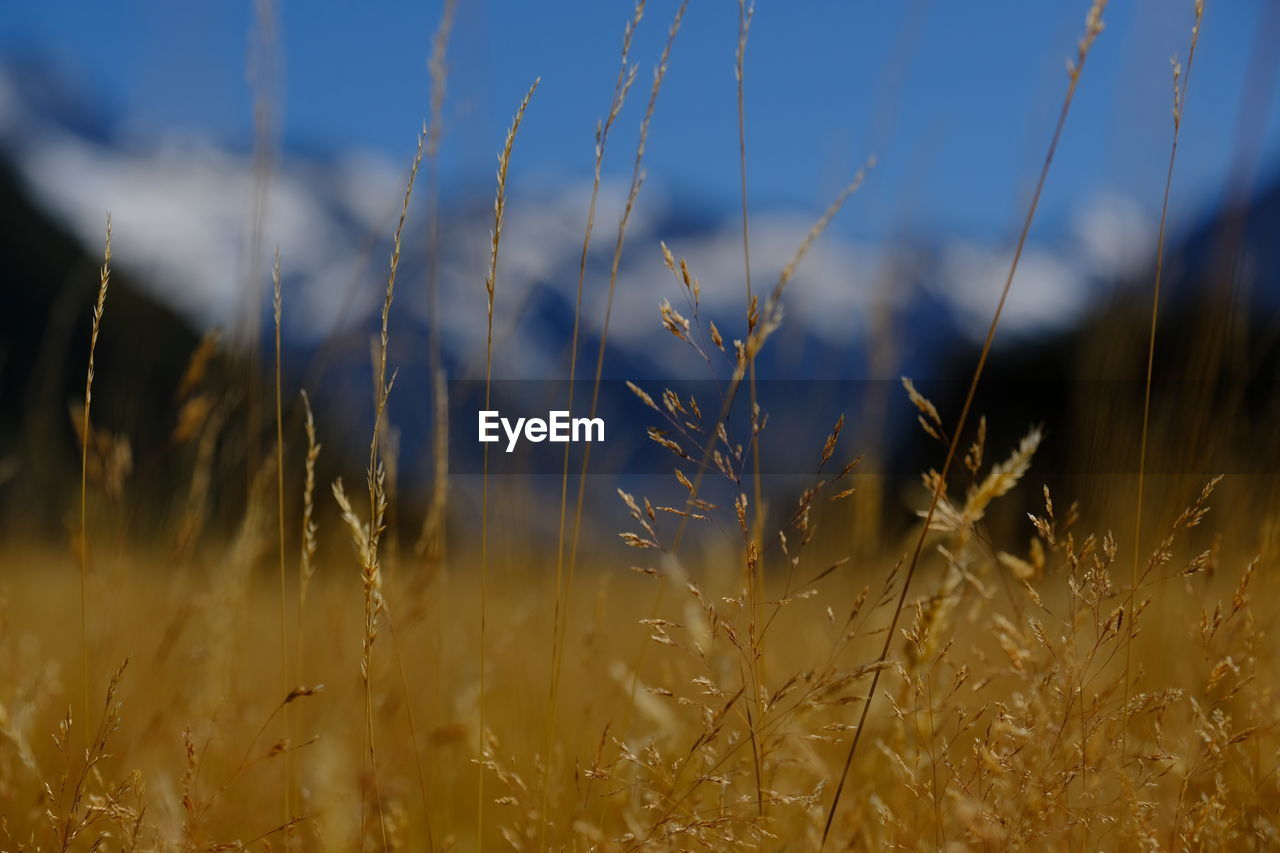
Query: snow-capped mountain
{"x": 181, "y": 205}
{"x": 855, "y": 309}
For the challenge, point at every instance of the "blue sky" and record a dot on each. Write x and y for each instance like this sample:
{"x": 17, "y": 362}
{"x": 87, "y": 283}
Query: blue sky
{"x": 957, "y": 100}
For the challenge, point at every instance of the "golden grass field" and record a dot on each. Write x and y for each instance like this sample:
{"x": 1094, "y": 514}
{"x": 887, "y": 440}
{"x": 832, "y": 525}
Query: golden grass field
{"x": 1092, "y": 678}
{"x": 1001, "y": 724}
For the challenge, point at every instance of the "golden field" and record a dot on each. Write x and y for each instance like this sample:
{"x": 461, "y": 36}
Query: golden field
{"x": 1002, "y": 717}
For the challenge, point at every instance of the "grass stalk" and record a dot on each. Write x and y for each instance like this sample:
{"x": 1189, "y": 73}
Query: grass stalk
{"x": 306, "y": 564}
{"x": 104, "y": 282}
{"x": 1180, "y": 83}
{"x": 490, "y": 287}
{"x": 1093, "y": 27}
{"x": 633, "y": 192}
{"x": 626, "y": 77}
{"x": 431, "y": 542}
{"x": 371, "y": 576}
{"x": 754, "y": 570}
{"x": 276, "y": 306}
{"x": 759, "y": 333}
{"x": 263, "y": 79}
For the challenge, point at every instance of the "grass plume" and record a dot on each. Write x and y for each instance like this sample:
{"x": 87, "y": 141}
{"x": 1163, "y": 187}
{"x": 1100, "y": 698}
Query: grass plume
{"x": 104, "y": 282}
{"x": 490, "y": 287}
{"x": 1093, "y": 28}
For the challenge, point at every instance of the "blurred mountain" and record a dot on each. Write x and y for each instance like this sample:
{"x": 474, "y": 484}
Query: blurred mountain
{"x": 854, "y": 311}
{"x": 1215, "y": 393}
{"x": 48, "y": 285}
{"x": 182, "y": 205}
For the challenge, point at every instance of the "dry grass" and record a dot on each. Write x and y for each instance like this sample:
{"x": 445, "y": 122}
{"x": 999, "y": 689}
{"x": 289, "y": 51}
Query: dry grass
{"x": 85, "y": 436}
{"x": 490, "y": 286}
{"x": 1000, "y": 723}
{"x": 972, "y": 686}
{"x": 431, "y": 542}
{"x": 1093, "y": 28}
{"x": 1180, "y": 85}
{"x": 626, "y": 77}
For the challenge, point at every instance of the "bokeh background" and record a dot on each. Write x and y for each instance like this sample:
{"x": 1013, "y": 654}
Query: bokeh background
{"x": 163, "y": 114}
